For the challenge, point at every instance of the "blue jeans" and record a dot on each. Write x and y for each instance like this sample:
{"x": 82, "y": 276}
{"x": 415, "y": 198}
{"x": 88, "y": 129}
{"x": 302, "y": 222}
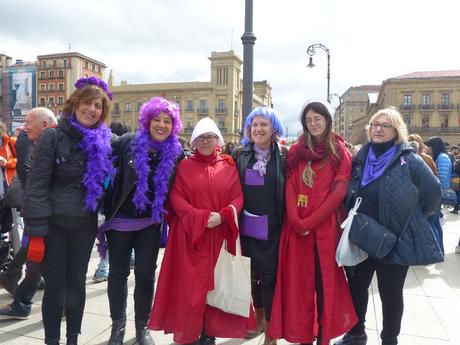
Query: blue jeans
{"x": 25, "y": 291}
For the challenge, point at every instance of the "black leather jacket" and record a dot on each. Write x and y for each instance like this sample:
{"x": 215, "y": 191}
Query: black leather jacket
{"x": 126, "y": 177}
{"x": 54, "y": 191}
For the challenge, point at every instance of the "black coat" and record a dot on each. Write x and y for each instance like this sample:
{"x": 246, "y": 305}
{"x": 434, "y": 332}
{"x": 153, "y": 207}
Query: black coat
{"x": 126, "y": 177}
{"x": 54, "y": 191}
{"x": 409, "y": 192}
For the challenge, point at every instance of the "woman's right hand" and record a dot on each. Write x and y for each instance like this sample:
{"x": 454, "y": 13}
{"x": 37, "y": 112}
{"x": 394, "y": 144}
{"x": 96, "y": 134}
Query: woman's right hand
{"x": 214, "y": 220}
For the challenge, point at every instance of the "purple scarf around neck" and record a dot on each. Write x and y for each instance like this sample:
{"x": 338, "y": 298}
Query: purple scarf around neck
{"x": 95, "y": 142}
{"x": 262, "y": 159}
{"x": 375, "y": 167}
{"x": 169, "y": 150}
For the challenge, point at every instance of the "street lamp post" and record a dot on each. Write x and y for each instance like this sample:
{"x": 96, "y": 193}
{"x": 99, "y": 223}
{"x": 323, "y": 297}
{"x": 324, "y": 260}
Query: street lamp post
{"x": 311, "y": 51}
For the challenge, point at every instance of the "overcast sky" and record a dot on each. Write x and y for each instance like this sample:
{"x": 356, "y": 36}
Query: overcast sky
{"x": 171, "y": 40}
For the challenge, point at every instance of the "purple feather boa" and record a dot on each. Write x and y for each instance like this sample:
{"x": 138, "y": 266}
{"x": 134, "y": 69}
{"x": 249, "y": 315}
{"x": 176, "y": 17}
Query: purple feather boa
{"x": 169, "y": 151}
{"x": 99, "y": 168}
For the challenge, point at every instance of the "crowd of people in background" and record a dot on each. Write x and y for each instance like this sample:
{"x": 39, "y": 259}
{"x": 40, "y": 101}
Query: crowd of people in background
{"x": 81, "y": 179}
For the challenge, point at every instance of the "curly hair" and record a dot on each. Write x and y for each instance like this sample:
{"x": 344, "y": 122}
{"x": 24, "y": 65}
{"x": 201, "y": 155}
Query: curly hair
{"x": 154, "y": 107}
{"x": 85, "y": 94}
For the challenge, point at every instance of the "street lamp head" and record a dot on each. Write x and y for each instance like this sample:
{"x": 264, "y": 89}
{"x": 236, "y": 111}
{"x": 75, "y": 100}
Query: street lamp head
{"x": 311, "y": 64}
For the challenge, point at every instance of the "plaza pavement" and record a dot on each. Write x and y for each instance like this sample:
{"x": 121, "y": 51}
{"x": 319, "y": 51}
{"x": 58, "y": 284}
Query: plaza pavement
{"x": 431, "y": 316}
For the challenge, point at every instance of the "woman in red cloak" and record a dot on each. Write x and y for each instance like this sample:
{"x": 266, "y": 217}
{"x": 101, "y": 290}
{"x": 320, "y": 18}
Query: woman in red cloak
{"x": 206, "y": 185}
{"x": 312, "y": 299}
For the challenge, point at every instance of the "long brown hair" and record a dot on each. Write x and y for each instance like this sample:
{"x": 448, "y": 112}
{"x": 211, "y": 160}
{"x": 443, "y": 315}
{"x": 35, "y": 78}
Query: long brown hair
{"x": 84, "y": 94}
{"x": 319, "y": 108}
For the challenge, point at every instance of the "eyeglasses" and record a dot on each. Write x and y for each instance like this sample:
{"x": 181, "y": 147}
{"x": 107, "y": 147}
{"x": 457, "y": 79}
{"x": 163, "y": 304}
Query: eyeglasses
{"x": 383, "y": 126}
{"x": 208, "y": 138}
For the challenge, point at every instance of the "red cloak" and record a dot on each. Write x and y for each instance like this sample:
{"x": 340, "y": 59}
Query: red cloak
{"x": 294, "y": 313}
{"x": 202, "y": 185}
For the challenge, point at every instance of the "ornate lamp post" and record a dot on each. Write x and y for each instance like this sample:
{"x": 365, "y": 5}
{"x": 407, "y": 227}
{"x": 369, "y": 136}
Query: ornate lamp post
{"x": 311, "y": 51}
{"x": 249, "y": 39}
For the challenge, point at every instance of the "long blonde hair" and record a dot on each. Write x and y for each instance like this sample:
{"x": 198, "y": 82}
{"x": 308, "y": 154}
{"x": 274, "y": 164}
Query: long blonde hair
{"x": 308, "y": 175}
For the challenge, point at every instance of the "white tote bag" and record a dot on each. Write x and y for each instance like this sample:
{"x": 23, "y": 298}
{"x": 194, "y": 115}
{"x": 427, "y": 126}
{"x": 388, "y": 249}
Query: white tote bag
{"x": 232, "y": 281}
{"x": 347, "y": 253}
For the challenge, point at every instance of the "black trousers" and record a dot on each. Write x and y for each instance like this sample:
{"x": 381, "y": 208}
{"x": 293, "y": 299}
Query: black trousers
{"x": 67, "y": 254}
{"x": 263, "y": 290}
{"x": 390, "y": 280}
{"x": 146, "y": 243}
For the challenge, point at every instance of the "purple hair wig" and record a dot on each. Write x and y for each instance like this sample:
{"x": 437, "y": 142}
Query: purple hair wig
{"x": 153, "y": 108}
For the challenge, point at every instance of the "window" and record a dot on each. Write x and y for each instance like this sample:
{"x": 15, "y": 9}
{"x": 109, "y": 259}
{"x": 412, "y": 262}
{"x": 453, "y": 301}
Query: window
{"x": 42, "y": 87}
{"x": 86, "y": 64}
{"x": 426, "y": 99}
{"x": 44, "y": 64}
{"x": 51, "y": 101}
{"x": 189, "y": 123}
{"x": 138, "y": 106}
{"x": 93, "y": 67}
{"x": 221, "y": 105}
{"x": 407, "y": 119}
{"x": 222, "y": 76}
{"x": 221, "y": 123}
{"x": 203, "y": 106}
{"x": 61, "y": 73}
{"x": 65, "y": 63}
{"x": 127, "y": 107}
{"x": 445, "y": 99}
{"x": 51, "y": 74}
{"x": 445, "y": 121}
{"x": 116, "y": 109}
{"x": 99, "y": 69}
{"x": 61, "y": 87}
{"x": 407, "y": 100}
{"x": 61, "y": 100}
{"x": 189, "y": 105}
{"x": 54, "y": 63}
{"x": 425, "y": 120}
{"x": 42, "y": 75}
{"x": 51, "y": 87}
{"x": 42, "y": 101}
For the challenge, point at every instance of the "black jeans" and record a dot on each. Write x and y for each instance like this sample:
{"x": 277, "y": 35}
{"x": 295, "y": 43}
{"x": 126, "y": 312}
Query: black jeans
{"x": 26, "y": 290}
{"x": 146, "y": 243}
{"x": 390, "y": 279}
{"x": 67, "y": 254}
{"x": 263, "y": 290}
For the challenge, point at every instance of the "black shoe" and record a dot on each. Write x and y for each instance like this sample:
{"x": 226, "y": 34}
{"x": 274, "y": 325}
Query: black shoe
{"x": 143, "y": 337}
{"x": 41, "y": 284}
{"x": 207, "y": 340}
{"x": 118, "y": 332}
{"x": 349, "y": 339}
{"x": 9, "y": 281}
{"x": 72, "y": 340}
{"x": 454, "y": 211}
{"x": 7, "y": 312}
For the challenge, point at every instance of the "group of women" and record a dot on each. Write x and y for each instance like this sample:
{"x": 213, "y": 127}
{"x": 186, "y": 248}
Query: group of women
{"x": 290, "y": 206}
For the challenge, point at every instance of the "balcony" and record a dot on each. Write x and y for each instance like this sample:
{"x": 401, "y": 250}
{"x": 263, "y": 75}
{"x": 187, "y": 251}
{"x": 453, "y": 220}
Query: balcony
{"x": 202, "y": 111}
{"x": 188, "y": 130}
{"x": 426, "y": 106}
{"x": 407, "y": 107}
{"x": 434, "y": 130}
{"x": 221, "y": 111}
{"x": 445, "y": 106}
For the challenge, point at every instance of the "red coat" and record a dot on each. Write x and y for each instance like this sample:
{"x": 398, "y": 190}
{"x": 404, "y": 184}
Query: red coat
{"x": 294, "y": 315}
{"x": 187, "y": 271}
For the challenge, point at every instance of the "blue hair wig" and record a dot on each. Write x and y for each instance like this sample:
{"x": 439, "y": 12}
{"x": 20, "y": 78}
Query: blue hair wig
{"x": 271, "y": 115}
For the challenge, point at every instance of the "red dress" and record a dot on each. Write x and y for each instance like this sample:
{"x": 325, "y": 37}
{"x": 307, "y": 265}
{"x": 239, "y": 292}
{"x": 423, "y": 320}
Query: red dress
{"x": 202, "y": 184}
{"x": 294, "y": 314}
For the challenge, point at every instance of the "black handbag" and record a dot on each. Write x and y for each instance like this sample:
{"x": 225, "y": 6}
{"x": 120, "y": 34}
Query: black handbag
{"x": 14, "y": 194}
{"x": 371, "y": 236}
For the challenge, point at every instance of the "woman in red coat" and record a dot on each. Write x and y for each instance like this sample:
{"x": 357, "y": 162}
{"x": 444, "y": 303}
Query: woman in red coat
{"x": 206, "y": 185}
{"x": 312, "y": 299}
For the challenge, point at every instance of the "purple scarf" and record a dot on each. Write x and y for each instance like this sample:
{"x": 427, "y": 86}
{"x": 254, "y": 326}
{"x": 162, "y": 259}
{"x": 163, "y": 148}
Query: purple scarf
{"x": 95, "y": 142}
{"x": 169, "y": 150}
{"x": 262, "y": 159}
{"x": 375, "y": 167}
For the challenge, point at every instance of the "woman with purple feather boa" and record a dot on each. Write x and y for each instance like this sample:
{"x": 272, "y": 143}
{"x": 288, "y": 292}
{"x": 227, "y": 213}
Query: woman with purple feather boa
{"x": 134, "y": 211}
{"x": 70, "y": 165}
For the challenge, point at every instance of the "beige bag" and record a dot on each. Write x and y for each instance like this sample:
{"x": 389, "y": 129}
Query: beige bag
{"x": 232, "y": 281}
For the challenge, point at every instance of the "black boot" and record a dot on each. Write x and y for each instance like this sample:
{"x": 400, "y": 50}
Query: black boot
{"x": 143, "y": 336}
{"x": 72, "y": 339}
{"x": 118, "y": 332}
{"x": 9, "y": 279}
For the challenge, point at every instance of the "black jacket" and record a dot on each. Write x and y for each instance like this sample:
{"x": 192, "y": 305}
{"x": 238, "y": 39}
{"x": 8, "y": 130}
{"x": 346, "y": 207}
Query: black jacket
{"x": 54, "y": 191}
{"x": 126, "y": 177}
{"x": 408, "y": 193}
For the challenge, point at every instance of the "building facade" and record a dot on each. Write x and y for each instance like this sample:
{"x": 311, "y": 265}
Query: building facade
{"x": 57, "y": 74}
{"x": 18, "y": 92}
{"x": 353, "y": 108}
{"x": 428, "y": 101}
{"x": 219, "y": 99}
